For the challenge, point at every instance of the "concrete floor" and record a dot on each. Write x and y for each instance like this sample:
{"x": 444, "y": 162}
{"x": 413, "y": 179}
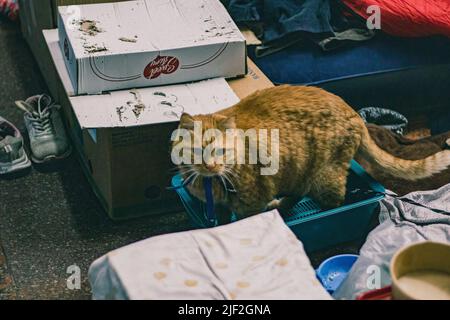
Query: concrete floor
{"x": 49, "y": 218}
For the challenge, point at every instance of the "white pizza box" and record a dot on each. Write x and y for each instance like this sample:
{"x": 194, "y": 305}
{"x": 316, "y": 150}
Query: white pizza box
{"x": 141, "y": 106}
{"x": 145, "y": 106}
{"x": 131, "y": 44}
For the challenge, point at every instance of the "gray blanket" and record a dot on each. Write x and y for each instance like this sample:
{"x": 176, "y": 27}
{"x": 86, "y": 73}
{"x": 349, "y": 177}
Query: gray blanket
{"x": 402, "y": 223}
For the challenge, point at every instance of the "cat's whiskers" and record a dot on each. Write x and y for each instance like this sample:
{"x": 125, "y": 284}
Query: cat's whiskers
{"x": 187, "y": 171}
{"x": 179, "y": 168}
{"x": 227, "y": 178}
{"x": 224, "y": 185}
{"x": 195, "y": 178}
{"x": 190, "y": 176}
{"x": 230, "y": 171}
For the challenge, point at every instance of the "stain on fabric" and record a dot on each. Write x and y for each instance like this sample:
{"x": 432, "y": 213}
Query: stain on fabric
{"x": 243, "y": 284}
{"x": 282, "y": 262}
{"x": 245, "y": 242}
{"x": 257, "y": 258}
{"x": 191, "y": 283}
{"x": 160, "y": 275}
{"x": 221, "y": 265}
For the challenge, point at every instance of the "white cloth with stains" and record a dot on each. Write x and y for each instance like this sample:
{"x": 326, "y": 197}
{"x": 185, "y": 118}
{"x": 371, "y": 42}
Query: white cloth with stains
{"x": 255, "y": 258}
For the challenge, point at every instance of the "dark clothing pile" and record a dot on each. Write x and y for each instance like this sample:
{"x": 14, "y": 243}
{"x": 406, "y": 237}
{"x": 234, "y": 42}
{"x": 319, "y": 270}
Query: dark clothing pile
{"x": 280, "y": 23}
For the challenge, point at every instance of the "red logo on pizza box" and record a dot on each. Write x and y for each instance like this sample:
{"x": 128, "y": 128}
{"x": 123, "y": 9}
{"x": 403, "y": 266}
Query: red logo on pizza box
{"x": 161, "y": 65}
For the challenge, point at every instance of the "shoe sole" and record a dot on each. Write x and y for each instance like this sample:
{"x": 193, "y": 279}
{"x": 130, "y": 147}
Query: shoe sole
{"x": 52, "y": 158}
{"x": 17, "y": 165}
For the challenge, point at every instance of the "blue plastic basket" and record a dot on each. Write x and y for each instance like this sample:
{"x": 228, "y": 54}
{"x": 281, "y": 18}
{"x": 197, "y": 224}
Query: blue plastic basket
{"x": 316, "y": 228}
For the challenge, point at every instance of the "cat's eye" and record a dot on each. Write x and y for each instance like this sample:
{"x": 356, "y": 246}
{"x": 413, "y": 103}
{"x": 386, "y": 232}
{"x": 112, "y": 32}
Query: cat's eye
{"x": 220, "y": 151}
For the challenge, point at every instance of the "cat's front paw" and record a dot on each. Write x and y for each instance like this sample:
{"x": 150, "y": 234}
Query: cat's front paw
{"x": 274, "y": 204}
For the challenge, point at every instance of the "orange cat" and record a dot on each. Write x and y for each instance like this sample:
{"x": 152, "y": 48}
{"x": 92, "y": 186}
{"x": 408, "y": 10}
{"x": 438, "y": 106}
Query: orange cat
{"x": 318, "y": 136}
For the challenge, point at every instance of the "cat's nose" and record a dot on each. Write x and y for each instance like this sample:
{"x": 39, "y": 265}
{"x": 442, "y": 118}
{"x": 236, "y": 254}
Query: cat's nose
{"x": 210, "y": 166}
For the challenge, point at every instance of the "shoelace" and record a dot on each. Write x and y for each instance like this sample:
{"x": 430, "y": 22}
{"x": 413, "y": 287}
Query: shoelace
{"x": 41, "y": 122}
{"x": 40, "y": 117}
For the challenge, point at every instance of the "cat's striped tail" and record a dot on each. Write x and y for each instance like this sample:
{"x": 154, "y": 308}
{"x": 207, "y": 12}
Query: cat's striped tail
{"x": 401, "y": 168}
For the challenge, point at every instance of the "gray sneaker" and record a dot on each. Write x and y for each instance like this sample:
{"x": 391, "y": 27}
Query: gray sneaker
{"x": 12, "y": 154}
{"x": 48, "y": 139}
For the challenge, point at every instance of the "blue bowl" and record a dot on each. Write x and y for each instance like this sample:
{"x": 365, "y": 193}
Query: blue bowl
{"x": 333, "y": 271}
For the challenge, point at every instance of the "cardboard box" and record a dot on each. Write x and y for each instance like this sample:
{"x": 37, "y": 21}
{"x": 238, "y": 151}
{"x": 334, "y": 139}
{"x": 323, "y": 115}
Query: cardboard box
{"x": 35, "y": 16}
{"x": 145, "y": 43}
{"x": 155, "y": 105}
{"x": 129, "y": 168}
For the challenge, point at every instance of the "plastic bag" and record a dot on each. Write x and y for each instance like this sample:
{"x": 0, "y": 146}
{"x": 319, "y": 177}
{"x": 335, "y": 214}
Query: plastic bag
{"x": 389, "y": 119}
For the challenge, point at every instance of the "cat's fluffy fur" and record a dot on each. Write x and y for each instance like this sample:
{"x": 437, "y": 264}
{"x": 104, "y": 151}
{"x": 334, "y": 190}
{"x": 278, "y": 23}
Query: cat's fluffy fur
{"x": 319, "y": 135}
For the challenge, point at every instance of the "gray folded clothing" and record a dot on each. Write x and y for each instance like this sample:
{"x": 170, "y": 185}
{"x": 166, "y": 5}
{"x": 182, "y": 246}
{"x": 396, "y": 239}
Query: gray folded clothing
{"x": 402, "y": 223}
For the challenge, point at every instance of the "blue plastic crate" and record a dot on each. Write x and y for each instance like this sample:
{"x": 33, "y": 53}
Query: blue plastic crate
{"x": 316, "y": 228}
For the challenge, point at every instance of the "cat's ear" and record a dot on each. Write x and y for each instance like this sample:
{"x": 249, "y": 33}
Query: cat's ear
{"x": 187, "y": 121}
{"x": 227, "y": 122}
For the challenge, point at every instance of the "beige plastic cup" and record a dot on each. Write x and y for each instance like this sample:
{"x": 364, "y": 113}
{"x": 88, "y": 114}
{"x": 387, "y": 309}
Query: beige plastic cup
{"x": 421, "y": 271}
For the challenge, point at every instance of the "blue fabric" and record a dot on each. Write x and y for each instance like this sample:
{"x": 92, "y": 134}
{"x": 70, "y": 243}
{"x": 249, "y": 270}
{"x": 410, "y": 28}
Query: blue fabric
{"x": 281, "y": 23}
{"x": 288, "y": 16}
{"x": 284, "y": 17}
{"x": 245, "y": 10}
{"x": 207, "y": 185}
{"x": 305, "y": 63}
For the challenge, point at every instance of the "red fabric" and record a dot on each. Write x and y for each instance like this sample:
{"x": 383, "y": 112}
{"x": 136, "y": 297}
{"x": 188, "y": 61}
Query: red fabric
{"x": 408, "y": 18}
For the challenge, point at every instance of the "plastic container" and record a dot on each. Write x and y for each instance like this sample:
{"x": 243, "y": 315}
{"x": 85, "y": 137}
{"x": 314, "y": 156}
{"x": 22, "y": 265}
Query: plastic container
{"x": 316, "y": 228}
{"x": 334, "y": 270}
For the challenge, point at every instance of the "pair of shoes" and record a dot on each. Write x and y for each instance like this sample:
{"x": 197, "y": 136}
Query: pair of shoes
{"x": 12, "y": 154}
{"x": 48, "y": 139}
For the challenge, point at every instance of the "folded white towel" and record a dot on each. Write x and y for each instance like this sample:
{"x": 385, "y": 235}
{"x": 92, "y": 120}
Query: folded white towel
{"x": 255, "y": 258}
